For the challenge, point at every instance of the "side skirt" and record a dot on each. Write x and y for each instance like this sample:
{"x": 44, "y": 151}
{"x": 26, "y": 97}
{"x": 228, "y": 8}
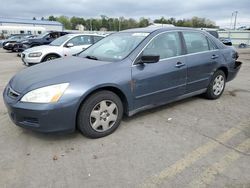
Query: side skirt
{"x": 132, "y": 112}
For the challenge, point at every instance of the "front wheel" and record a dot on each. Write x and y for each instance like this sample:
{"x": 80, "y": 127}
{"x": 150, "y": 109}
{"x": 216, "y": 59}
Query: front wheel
{"x": 100, "y": 115}
{"x": 216, "y": 85}
{"x": 50, "y": 57}
{"x": 15, "y": 49}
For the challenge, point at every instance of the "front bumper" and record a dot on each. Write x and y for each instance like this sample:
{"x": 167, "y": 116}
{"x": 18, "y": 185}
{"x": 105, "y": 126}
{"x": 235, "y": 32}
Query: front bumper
{"x": 30, "y": 60}
{"x": 233, "y": 71}
{"x": 57, "y": 117}
{"x": 8, "y": 47}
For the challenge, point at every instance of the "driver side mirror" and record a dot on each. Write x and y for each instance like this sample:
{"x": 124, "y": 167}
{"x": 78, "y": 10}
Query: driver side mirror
{"x": 148, "y": 59}
{"x": 69, "y": 45}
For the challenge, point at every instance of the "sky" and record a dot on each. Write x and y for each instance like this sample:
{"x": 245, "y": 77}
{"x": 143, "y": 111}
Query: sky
{"x": 219, "y": 11}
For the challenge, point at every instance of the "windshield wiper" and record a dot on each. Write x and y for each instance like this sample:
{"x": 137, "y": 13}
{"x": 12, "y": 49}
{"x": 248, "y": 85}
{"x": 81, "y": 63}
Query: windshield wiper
{"x": 91, "y": 57}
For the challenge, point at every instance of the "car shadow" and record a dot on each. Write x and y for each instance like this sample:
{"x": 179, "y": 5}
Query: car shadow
{"x": 62, "y": 136}
{"x": 160, "y": 108}
{"x": 52, "y": 136}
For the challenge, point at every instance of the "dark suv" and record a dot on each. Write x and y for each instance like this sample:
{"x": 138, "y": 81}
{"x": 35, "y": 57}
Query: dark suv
{"x": 42, "y": 39}
{"x": 9, "y": 43}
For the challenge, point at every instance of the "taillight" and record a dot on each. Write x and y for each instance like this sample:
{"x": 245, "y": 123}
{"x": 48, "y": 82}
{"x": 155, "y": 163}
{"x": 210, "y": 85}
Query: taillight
{"x": 235, "y": 55}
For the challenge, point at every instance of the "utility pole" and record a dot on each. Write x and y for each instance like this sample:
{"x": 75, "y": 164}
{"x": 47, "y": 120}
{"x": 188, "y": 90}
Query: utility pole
{"x": 236, "y": 12}
{"x": 119, "y": 27}
{"x": 120, "y": 20}
{"x": 231, "y": 22}
{"x": 91, "y": 24}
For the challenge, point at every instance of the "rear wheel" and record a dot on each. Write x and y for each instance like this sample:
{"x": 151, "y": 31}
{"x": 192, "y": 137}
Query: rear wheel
{"x": 100, "y": 115}
{"x": 216, "y": 85}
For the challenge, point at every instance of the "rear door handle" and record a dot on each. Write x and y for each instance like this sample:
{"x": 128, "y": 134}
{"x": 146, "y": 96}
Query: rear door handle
{"x": 214, "y": 56}
{"x": 179, "y": 64}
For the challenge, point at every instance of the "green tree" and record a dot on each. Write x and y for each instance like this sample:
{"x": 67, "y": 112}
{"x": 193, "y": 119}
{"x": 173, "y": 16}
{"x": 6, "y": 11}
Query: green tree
{"x": 143, "y": 22}
{"x": 65, "y": 21}
{"x": 121, "y": 23}
{"x": 76, "y": 21}
{"x": 52, "y": 18}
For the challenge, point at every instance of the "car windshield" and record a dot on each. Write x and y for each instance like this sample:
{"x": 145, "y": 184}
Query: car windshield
{"x": 114, "y": 47}
{"x": 13, "y": 37}
{"x": 59, "y": 41}
{"x": 42, "y": 35}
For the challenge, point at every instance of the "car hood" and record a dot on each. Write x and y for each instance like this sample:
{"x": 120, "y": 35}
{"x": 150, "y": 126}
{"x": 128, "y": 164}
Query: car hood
{"x": 41, "y": 48}
{"x": 34, "y": 40}
{"x": 64, "y": 70}
{"x": 9, "y": 41}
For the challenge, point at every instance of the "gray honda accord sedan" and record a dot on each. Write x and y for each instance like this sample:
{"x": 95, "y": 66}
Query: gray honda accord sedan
{"x": 124, "y": 73}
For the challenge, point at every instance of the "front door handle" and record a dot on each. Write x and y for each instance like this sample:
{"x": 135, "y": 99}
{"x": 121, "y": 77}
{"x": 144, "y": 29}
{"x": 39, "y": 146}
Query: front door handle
{"x": 214, "y": 56}
{"x": 179, "y": 64}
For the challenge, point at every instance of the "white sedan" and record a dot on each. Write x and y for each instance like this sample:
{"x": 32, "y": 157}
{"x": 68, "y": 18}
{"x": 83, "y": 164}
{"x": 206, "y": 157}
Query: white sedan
{"x": 64, "y": 46}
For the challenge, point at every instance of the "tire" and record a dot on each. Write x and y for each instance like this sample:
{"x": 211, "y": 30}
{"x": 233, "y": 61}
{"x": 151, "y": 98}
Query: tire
{"x": 216, "y": 85}
{"x": 50, "y": 57}
{"x": 14, "y": 49}
{"x": 95, "y": 121}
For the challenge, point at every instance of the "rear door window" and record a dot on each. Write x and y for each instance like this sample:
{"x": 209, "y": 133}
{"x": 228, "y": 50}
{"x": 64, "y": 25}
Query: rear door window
{"x": 211, "y": 45}
{"x": 195, "y": 42}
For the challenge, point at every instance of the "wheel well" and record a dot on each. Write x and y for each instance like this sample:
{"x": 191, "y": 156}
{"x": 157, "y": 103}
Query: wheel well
{"x": 115, "y": 90}
{"x": 224, "y": 69}
{"x": 33, "y": 45}
{"x": 50, "y": 54}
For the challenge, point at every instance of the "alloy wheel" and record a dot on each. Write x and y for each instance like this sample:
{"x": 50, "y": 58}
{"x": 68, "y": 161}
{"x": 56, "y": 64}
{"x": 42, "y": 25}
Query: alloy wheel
{"x": 218, "y": 85}
{"x": 103, "y": 116}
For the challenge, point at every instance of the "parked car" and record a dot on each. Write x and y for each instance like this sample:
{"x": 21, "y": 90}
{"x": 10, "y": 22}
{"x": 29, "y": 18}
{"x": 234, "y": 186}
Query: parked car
{"x": 243, "y": 45}
{"x": 224, "y": 40}
{"x": 64, "y": 46}
{"x": 16, "y": 44}
{"x": 1, "y": 43}
{"x": 124, "y": 73}
{"x": 9, "y": 43}
{"x": 42, "y": 39}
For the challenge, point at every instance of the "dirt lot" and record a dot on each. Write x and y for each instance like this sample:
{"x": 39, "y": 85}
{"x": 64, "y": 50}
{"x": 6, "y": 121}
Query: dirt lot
{"x": 191, "y": 143}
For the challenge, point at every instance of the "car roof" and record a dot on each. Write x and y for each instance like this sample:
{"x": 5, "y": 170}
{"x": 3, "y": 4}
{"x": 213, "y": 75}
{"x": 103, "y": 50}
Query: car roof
{"x": 79, "y": 34}
{"x": 160, "y": 29}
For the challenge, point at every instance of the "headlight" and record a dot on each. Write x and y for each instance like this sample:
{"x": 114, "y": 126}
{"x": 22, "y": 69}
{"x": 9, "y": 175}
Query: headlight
{"x": 35, "y": 54}
{"x": 48, "y": 94}
{"x": 6, "y": 44}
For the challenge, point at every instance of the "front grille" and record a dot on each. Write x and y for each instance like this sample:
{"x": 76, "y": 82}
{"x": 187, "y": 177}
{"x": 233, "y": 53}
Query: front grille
{"x": 12, "y": 93}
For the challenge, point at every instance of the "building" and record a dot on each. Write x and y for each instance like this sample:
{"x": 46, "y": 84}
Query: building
{"x": 80, "y": 27}
{"x": 10, "y": 26}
